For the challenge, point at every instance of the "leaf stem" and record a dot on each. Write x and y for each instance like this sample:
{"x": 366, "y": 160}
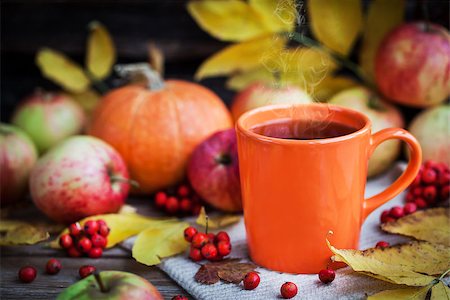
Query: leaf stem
{"x": 444, "y": 274}
{"x": 99, "y": 280}
{"x": 341, "y": 59}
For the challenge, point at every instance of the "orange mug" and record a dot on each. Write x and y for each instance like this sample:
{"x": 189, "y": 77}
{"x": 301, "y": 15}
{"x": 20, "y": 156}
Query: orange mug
{"x": 295, "y": 191}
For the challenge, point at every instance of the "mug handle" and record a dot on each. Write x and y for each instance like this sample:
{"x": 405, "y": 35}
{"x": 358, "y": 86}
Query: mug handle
{"x": 408, "y": 175}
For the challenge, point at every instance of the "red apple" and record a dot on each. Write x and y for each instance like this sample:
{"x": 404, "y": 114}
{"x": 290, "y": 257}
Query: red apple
{"x": 213, "y": 171}
{"x": 111, "y": 285}
{"x": 412, "y": 65}
{"x": 79, "y": 177}
{"x": 260, "y": 94}
{"x": 382, "y": 115}
{"x": 49, "y": 118}
{"x": 432, "y": 129}
{"x": 17, "y": 156}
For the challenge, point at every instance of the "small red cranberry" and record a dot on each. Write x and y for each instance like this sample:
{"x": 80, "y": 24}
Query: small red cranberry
{"x": 189, "y": 233}
{"x": 410, "y": 197}
{"x": 27, "y": 274}
{"x": 429, "y": 176}
{"x": 104, "y": 230}
{"x": 384, "y": 216}
{"x": 84, "y": 244}
{"x": 195, "y": 254}
{"x": 186, "y": 205}
{"x": 396, "y": 212}
{"x": 382, "y": 244}
{"x": 251, "y": 281}
{"x": 53, "y": 266}
{"x": 183, "y": 191}
{"x": 91, "y": 227}
{"x": 101, "y": 222}
{"x": 211, "y": 237}
{"x": 420, "y": 203}
{"x": 209, "y": 251}
{"x": 222, "y": 236}
{"x": 172, "y": 205}
{"x": 86, "y": 270}
{"x": 444, "y": 178}
{"x": 288, "y": 290}
{"x": 66, "y": 241}
{"x": 409, "y": 208}
{"x": 98, "y": 241}
{"x": 74, "y": 252}
{"x": 224, "y": 248}
{"x": 199, "y": 240}
{"x": 160, "y": 199}
{"x": 75, "y": 229}
{"x": 95, "y": 252}
{"x": 327, "y": 276}
{"x": 429, "y": 193}
{"x": 417, "y": 191}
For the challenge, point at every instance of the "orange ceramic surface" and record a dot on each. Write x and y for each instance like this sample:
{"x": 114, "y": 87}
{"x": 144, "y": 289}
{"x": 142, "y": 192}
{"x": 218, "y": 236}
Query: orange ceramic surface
{"x": 295, "y": 191}
{"x": 156, "y": 131}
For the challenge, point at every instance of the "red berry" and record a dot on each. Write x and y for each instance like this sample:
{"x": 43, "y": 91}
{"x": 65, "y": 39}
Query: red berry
{"x": 417, "y": 180}
{"x": 222, "y": 236}
{"x": 86, "y": 270}
{"x": 396, "y": 212}
{"x": 53, "y": 266}
{"x": 160, "y": 199}
{"x": 199, "y": 240}
{"x": 172, "y": 205}
{"x": 183, "y": 191}
{"x": 430, "y": 164}
{"x": 66, "y": 241}
{"x": 91, "y": 227}
{"x": 251, "y": 280}
{"x": 417, "y": 191}
{"x": 196, "y": 208}
{"x": 189, "y": 233}
{"x": 104, "y": 230}
{"x": 209, "y": 251}
{"x": 420, "y": 203}
{"x": 444, "y": 178}
{"x": 390, "y": 219}
{"x": 211, "y": 237}
{"x": 429, "y": 193}
{"x": 95, "y": 252}
{"x": 27, "y": 274}
{"x": 409, "y": 208}
{"x": 101, "y": 222}
{"x": 445, "y": 192}
{"x": 327, "y": 276}
{"x": 75, "y": 229}
{"x": 288, "y": 290}
{"x": 73, "y": 252}
{"x": 382, "y": 244}
{"x": 195, "y": 254}
{"x": 84, "y": 245}
{"x": 410, "y": 197}
{"x": 186, "y": 205}
{"x": 98, "y": 241}
{"x": 384, "y": 216}
{"x": 224, "y": 248}
{"x": 429, "y": 176}
{"x": 179, "y": 297}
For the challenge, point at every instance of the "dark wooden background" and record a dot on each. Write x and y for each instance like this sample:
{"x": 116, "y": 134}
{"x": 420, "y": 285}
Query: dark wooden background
{"x": 29, "y": 25}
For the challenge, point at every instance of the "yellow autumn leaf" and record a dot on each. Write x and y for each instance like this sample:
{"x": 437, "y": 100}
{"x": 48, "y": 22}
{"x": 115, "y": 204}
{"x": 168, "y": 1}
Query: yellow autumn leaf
{"x": 101, "y": 53}
{"x": 278, "y": 16}
{"x": 329, "y": 86}
{"x": 410, "y": 293}
{"x": 403, "y": 264}
{"x": 88, "y": 99}
{"x": 158, "y": 242}
{"x": 240, "y": 81}
{"x": 231, "y": 20}
{"x": 60, "y": 69}
{"x": 240, "y": 57}
{"x": 336, "y": 23}
{"x": 216, "y": 221}
{"x": 122, "y": 226}
{"x": 440, "y": 291}
{"x": 382, "y": 17}
{"x": 431, "y": 225}
{"x": 21, "y": 233}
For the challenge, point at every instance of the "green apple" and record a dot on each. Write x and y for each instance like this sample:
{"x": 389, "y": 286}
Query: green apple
{"x": 49, "y": 118}
{"x": 17, "y": 157}
{"x": 382, "y": 115}
{"x": 111, "y": 285}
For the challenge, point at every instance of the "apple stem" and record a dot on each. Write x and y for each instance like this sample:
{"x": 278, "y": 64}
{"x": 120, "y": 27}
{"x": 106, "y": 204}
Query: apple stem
{"x": 99, "y": 280}
{"x": 132, "y": 182}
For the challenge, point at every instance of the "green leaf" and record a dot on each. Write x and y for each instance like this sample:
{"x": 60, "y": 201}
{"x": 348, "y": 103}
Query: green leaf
{"x": 336, "y": 23}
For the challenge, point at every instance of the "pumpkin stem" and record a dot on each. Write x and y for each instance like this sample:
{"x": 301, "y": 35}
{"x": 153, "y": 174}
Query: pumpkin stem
{"x": 141, "y": 72}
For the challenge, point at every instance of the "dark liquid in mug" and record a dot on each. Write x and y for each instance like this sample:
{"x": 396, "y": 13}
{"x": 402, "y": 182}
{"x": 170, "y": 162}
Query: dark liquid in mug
{"x": 302, "y": 129}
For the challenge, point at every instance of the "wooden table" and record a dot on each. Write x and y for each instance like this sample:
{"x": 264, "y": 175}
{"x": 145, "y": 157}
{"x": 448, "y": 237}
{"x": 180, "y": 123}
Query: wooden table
{"x": 49, "y": 286}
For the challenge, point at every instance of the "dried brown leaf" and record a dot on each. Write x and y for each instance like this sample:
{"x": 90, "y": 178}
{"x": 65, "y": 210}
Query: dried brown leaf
{"x": 229, "y": 270}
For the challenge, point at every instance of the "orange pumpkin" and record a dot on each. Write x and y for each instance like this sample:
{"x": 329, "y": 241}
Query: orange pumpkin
{"x": 155, "y": 128}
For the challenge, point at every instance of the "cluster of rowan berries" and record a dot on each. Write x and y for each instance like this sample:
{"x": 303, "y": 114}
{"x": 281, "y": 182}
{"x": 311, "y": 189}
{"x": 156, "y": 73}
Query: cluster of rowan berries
{"x": 179, "y": 201}
{"x": 210, "y": 246}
